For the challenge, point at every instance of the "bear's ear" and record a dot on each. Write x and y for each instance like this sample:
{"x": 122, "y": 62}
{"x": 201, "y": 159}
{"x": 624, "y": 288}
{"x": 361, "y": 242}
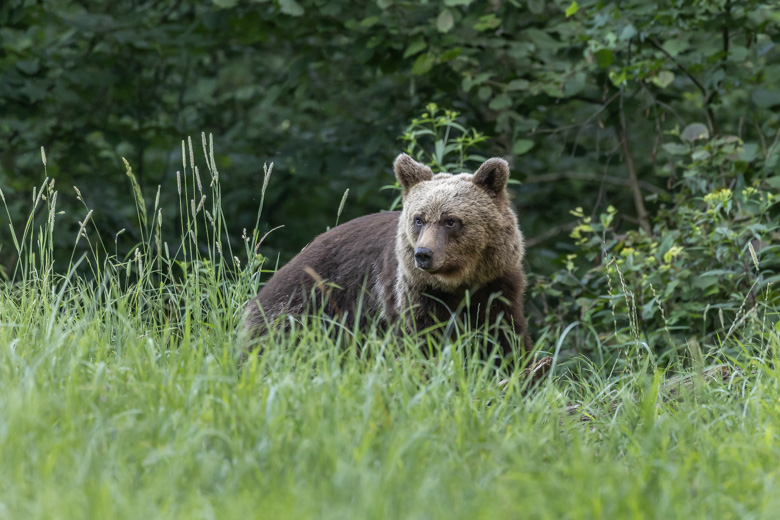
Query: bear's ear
{"x": 492, "y": 176}
{"x": 409, "y": 172}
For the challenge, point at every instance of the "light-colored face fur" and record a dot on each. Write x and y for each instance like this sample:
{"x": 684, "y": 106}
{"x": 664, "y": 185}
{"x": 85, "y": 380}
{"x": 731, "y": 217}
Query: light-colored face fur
{"x": 456, "y": 230}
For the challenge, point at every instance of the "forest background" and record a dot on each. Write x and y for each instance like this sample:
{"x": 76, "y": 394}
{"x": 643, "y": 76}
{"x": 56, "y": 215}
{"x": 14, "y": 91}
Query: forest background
{"x": 635, "y": 130}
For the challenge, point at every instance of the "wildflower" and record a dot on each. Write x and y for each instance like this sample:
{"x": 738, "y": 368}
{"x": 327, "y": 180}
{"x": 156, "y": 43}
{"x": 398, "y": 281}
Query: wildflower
{"x": 672, "y": 253}
{"x": 749, "y": 191}
{"x": 718, "y": 197}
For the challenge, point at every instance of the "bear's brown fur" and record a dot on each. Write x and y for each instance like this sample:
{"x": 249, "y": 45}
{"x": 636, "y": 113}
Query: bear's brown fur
{"x": 456, "y": 233}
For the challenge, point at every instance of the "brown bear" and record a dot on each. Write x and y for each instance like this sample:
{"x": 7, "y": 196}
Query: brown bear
{"x": 456, "y": 234}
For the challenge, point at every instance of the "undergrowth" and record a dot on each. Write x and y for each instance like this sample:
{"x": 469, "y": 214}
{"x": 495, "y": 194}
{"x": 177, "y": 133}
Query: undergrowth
{"x": 125, "y": 393}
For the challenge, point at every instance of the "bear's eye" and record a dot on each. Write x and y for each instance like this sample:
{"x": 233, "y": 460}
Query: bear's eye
{"x": 418, "y": 221}
{"x": 451, "y": 222}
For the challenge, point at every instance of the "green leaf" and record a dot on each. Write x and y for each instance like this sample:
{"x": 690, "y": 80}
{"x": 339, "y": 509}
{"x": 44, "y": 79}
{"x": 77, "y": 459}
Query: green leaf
{"x": 618, "y": 77}
{"x": 423, "y": 64}
{"x": 450, "y": 54}
{"x": 453, "y": 3}
{"x": 649, "y": 309}
{"x": 572, "y": 9}
{"x": 522, "y": 146}
{"x": 445, "y": 21}
{"x": 663, "y": 79}
{"x": 369, "y": 22}
{"x": 519, "y": 50}
{"x": 291, "y": 7}
{"x": 629, "y": 31}
{"x": 694, "y": 132}
{"x": 518, "y": 84}
{"x": 29, "y": 67}
{"x": 675, "y": 46}
{"x": 417, "y": 44}
{"x": 536, "y": 6}
{"x": 774, "y": 182}
{"x": 484, "y": 92}
{"x": 574, "y": 84}
{"x": 543, "y": 40}
{"x": 469, "y": 82}
{"x": 487, "y": 22}
{"x": 604, "y": 58}
{"x": 500, "y": 102}
{"x": 649, "y": 402}
{"x": 439, "y": 151}
{"x": 748, "y": 152}
{"x": 766, "y": 98}
{"x": 703, "y": 282}
{"x": 675, "y": 149}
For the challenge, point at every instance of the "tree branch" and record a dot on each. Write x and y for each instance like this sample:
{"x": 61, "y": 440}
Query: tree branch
{"x": 591, "y": 177}
{"x": 639, "y": 203}
{"x": 708, "y": 96}
{"x": 576, "y": 125}
{"x": 553, "y": 231}
{"x": 696, "y": 82}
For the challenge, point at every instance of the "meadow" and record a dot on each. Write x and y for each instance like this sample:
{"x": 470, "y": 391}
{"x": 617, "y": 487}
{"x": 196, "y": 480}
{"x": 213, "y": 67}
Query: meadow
{"x": 125, "y": 392}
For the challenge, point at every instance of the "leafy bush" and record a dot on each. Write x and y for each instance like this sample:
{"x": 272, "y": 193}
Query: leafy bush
{"x": 452, "y": 142}
{"x": 436, "y": 138}
{"x": 707, "y": 268}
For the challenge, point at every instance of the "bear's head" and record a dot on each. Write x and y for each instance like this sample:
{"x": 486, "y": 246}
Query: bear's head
{"x": 456, "y": 230}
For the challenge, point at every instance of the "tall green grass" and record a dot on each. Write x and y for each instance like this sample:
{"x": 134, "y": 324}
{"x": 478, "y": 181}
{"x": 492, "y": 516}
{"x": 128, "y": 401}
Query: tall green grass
{"x": 125, "y": 393}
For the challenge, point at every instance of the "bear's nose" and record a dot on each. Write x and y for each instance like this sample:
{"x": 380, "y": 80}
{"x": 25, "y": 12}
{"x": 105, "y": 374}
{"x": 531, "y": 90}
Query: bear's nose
{"x": 423, "y": 257}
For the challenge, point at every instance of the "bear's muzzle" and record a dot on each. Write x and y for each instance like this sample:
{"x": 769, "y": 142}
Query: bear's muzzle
{"x": 423, "y": 258}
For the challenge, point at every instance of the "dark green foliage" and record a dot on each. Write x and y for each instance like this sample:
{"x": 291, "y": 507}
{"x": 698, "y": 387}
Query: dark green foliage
{"x": 647, "y": 108}
{"x": 322, "y": 89}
